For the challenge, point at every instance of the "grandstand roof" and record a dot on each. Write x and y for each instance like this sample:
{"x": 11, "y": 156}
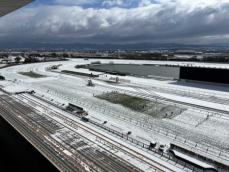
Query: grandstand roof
{"x": 7, "y": 6}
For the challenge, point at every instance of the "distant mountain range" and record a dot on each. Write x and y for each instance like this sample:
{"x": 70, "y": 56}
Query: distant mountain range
{"x": 133, "y": 46}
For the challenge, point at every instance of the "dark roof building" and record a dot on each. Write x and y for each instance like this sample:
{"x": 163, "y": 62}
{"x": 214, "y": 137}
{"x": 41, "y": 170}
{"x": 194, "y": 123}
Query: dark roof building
{"x": 7, "y": 6}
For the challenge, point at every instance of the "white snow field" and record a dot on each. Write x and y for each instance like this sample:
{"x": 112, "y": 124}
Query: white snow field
{"x": 200, "y": 130}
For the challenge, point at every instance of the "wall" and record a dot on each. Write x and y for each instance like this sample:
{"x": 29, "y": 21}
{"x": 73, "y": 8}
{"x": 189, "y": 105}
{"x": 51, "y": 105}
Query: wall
{"x": 205, "y": 74}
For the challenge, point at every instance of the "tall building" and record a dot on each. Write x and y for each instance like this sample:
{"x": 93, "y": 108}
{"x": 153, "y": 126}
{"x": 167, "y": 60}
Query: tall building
{"x": 7, "y": 6}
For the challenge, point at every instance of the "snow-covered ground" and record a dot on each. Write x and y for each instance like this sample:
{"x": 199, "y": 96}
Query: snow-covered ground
{"x": 191, "y": 127}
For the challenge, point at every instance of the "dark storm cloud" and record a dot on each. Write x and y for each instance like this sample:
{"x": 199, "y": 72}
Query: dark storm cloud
{"x": 181, "y": 21}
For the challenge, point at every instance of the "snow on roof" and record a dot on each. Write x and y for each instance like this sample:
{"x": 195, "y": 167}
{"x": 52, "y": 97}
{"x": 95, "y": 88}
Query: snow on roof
{"x": 193, "y": 160}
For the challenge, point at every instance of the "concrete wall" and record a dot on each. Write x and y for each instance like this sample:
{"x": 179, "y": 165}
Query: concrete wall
{"x": 140, "y": 70}
{"x": 202, "y": 74}
{"x": 205, "y": 74}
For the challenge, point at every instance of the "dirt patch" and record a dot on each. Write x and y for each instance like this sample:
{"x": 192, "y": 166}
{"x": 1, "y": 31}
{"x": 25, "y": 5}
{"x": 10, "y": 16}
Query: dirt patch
{"x": 32, "y": 74}
{"x": 152, "y": 108}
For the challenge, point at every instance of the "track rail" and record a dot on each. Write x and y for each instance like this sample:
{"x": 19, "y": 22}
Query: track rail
{"x": 141, "y": 157}
{"x": 156, "y": 97}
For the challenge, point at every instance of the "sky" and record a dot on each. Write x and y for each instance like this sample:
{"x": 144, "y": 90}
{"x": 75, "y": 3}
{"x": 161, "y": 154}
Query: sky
{"x": 118, "y": 22}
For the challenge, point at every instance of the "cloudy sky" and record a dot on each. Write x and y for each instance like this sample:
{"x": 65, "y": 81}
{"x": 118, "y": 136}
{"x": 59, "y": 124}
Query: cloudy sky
{"x": 119, "y": 21}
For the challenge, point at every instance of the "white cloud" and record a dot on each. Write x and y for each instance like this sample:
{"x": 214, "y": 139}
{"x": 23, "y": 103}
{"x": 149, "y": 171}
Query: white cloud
{"x": 152, "y": 21}
{"x": 73, "y": 2}
{"x": 113, "y": 3}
